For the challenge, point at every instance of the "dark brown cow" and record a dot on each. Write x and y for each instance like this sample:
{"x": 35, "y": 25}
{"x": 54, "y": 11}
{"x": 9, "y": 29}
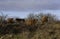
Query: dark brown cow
{"x": 19, "y": 20}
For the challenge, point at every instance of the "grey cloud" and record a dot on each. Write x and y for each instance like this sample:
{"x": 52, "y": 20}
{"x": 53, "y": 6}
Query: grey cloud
{"x": 29, "y": 5}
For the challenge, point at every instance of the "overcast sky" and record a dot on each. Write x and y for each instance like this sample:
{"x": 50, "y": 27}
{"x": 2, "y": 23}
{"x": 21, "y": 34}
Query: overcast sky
{"x": 28, "y": 5}
{"x": 23, "y": 7}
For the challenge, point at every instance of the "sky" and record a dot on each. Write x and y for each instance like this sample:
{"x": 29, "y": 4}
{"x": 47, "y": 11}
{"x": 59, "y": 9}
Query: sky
{"x": 21, "y": 8}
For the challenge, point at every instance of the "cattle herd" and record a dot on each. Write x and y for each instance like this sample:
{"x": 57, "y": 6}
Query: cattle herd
{"x": 7, "y": 25}
{"x": 25, "y": 21}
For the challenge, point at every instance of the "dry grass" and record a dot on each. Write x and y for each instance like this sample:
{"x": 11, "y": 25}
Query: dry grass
{"x": 47, "y": 31}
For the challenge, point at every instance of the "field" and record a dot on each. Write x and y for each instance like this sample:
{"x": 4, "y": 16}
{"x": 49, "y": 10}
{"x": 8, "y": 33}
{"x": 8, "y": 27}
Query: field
{"x": 19, "y": 30}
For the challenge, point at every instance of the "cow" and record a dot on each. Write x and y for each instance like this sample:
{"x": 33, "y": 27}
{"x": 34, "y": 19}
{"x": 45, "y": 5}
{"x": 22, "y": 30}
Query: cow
{"x": 10, "y": 20}
{"x": 44, "y": 19}
{"x": 31, "y": 21}
{"x": 19, "y": 20}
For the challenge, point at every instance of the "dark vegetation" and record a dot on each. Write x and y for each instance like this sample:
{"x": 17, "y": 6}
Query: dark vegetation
{"x": 39, "y": 26}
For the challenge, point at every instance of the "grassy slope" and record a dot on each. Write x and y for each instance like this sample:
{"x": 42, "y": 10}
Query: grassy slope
{"x": 47, "y": 31}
